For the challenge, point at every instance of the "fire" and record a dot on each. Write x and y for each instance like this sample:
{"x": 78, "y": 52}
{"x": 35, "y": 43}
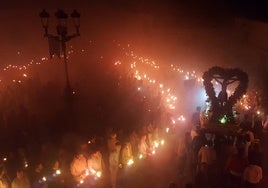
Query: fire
{"x": 167, "y": 130}
{"x": 130, "y": 162}
{"x": 58, "y": 172}
{"x": 86, "y": 173}
{"x": 156, "y": 144}
{"x": 98, "y": 174}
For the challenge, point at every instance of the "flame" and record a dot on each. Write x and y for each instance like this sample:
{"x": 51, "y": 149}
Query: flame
{"x": 58, "y": 172}
{"x": 130, "y": 162}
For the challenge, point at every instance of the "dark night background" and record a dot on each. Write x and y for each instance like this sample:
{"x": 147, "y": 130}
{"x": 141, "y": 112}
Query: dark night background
{"x": 229, "y": 33}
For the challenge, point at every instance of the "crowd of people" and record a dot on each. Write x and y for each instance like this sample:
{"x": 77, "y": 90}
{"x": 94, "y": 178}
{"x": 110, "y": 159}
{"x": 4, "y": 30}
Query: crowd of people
{"x": 40, "y": 133}
{"x": 221, "y": 158}
{"x": 206, "y": 158}
{"x": 119, "y": 153}
{"x": 97, "y": 162}
{"x": 212, "y": 159}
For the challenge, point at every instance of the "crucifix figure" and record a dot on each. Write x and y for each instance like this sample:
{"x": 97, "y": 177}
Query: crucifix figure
{"x": 223, "y": 96}
{"x": 222, "y": 103}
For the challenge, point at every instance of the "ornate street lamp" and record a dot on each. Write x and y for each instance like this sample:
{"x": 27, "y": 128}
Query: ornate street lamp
{"x": 59, "y": 40}
{"x": 76, "y": 20}
{"x": 44, "y": 19}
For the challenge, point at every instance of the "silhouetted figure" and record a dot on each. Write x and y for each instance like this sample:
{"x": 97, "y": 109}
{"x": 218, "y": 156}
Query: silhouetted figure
{"x": 207, "y": 155}
{"x": 258, "y": 128}
{"x": 114, "y": 164}
{"x": 21, "y": 180}
{"x": 235, "y": 167}
{"x": 253, "y": 172}
{"x": 78, "y": 167}
{"x": 4, "y": 178}
{"x": 196, "y": 118}
{"x": 246, "y": 123}
{"x": 197, "y": 143}
{"x": 223, "y": 96}
{"x": 202, "y": 179}
{"x": 37, "y": 181}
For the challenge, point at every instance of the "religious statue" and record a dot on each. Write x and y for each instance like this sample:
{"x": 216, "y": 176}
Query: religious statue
{"x": 222, "y": 105}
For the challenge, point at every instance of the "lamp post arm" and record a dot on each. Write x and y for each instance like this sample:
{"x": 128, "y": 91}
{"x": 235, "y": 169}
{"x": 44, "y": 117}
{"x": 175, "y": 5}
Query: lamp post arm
{"x": 49, "y": 35}
{"x": 69, "y": 37}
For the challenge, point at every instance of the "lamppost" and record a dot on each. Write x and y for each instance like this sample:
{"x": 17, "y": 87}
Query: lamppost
{"x": 60, "y": 39}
